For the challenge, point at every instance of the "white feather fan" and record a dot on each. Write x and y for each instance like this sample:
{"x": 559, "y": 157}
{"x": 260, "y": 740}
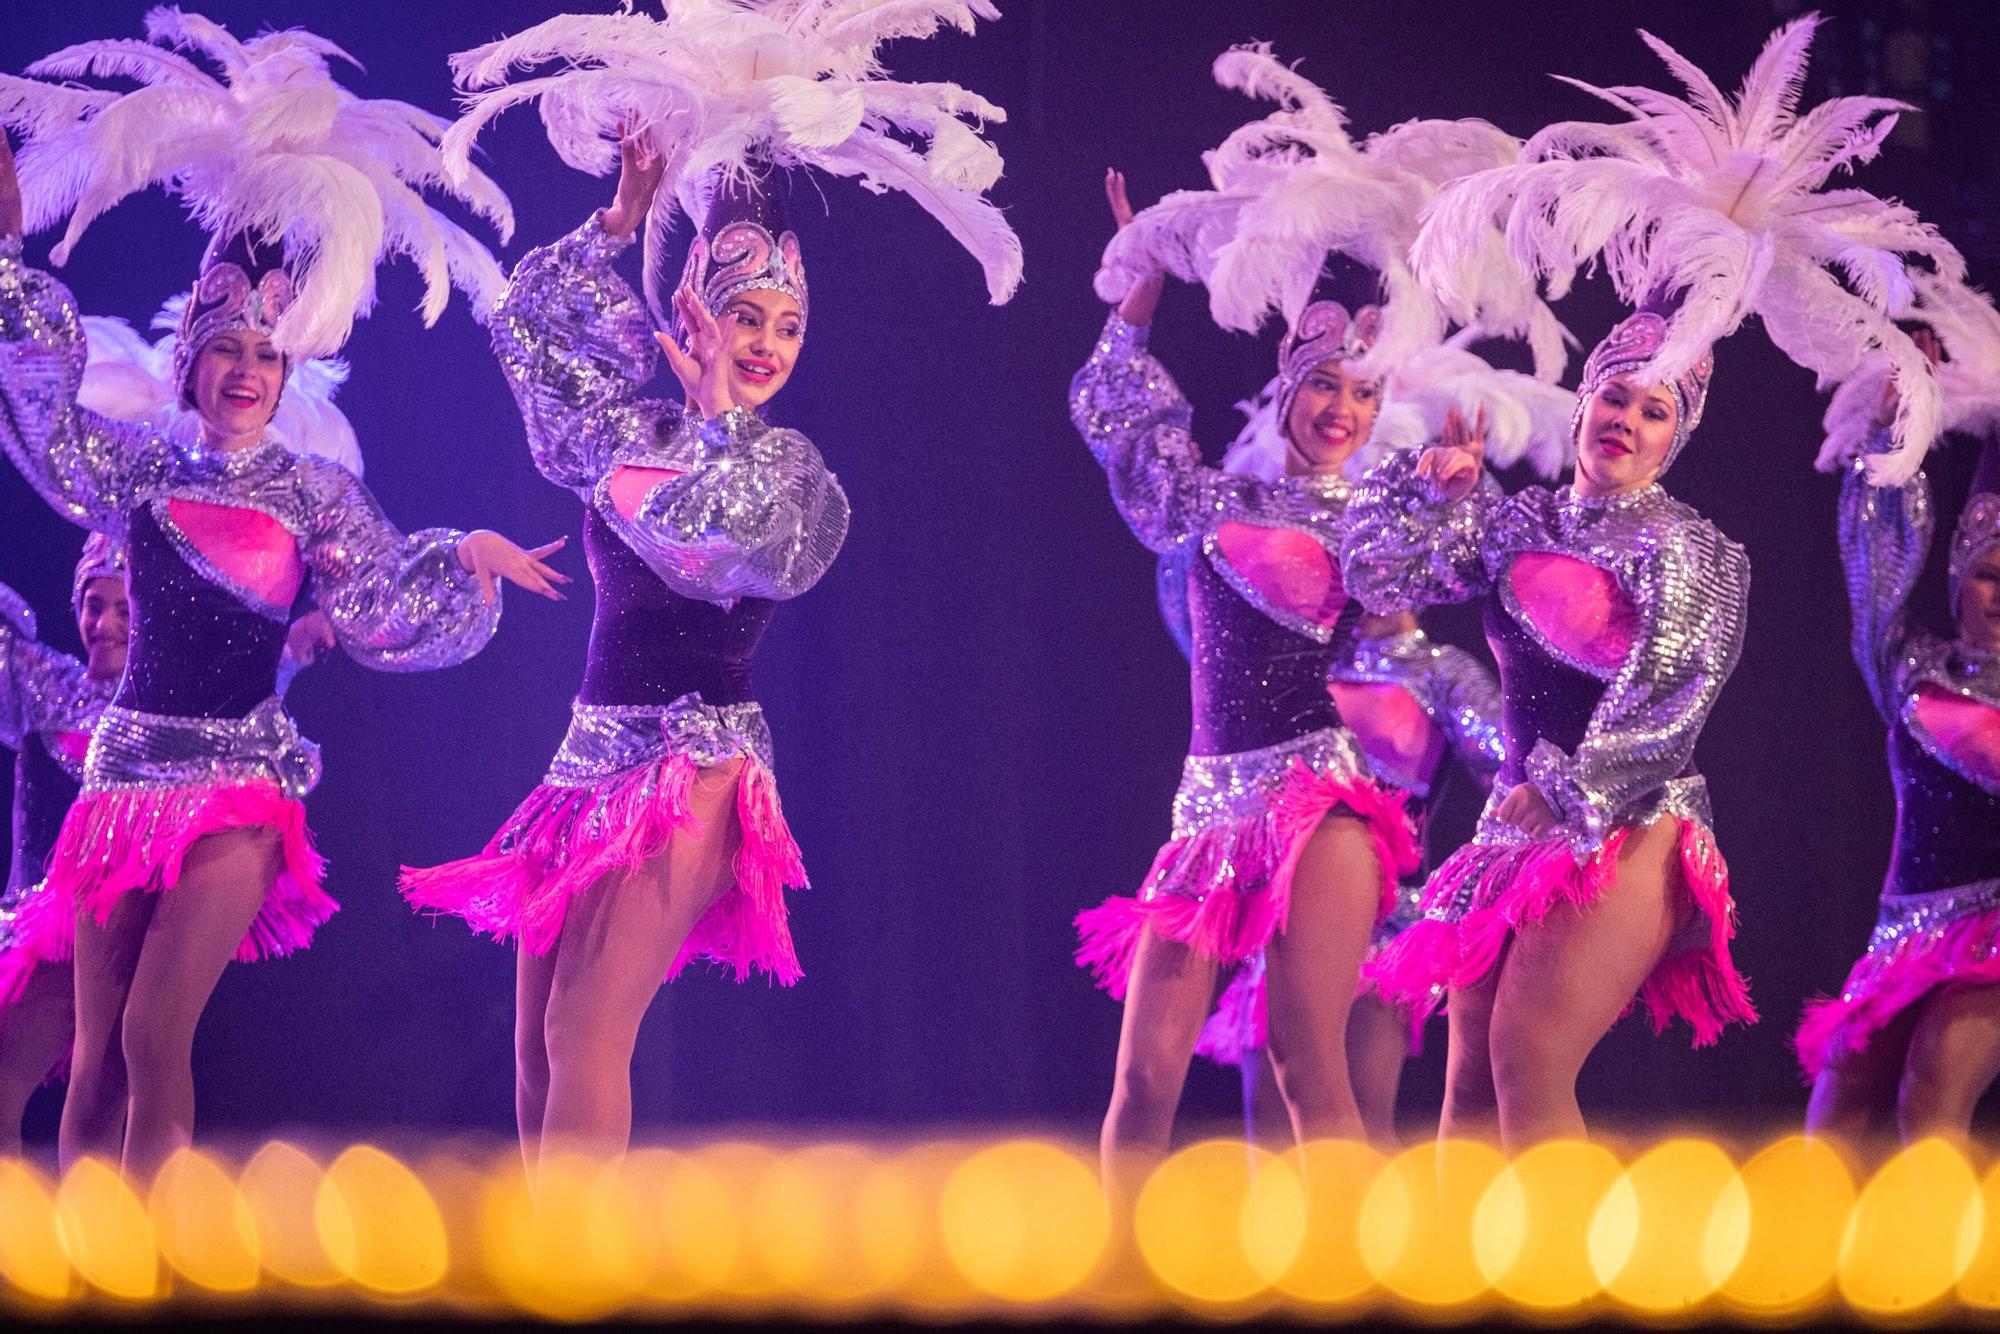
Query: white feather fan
{"x": 736, "y": 84}
{"x": 1723, "y": 203}
{"x": 274, "y": 146}
{"x": 129, "y": 379}
{"x": 1968, "y": 380}
{"x": 1288, "y": 189}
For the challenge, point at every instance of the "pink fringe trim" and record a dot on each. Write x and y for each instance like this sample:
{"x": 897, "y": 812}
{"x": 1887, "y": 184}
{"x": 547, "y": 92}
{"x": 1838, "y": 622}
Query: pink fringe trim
{"x": 1243, "y": 873}
{"x": 1881, "y": 986}
{"x": 566, "y": 839}
{"x": 115, "y": 842}
{"x": 1519, "y": 886}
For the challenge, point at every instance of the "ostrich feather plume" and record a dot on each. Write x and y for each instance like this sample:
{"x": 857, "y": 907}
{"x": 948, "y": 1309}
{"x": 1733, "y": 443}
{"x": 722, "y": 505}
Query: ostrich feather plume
{"x": 1968, "y": 379}
{"x": 737, "y": 85}
{"x": 1721, "y": 202}
{"x": 271, "y": 144}
{"x": 1290, "y": 188}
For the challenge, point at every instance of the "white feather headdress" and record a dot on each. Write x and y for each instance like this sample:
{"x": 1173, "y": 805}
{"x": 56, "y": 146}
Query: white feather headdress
{"x": 732, "y": 86}
{"x": 1721, "y": 203}
{"x": 1968, "y": 379}
{"x": 129, "y": 379}
{"x": 1293, "y": 187}
{"x": 274, "y": 147}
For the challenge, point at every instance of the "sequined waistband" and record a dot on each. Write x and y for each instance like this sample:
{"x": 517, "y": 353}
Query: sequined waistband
{"x": 607, "y": 739}
{"x": 133, "y": 750}
{"x": 1903, "y": 916}
{"x": 1217, "y": 789}
{"x": 1683, "y": 798}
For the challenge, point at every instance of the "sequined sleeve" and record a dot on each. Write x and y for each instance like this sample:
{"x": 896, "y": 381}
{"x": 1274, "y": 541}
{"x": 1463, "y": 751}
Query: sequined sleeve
{"x": 30, "y": 671}
{"x": 1405, "y": 547}
{"x": 1885, "y": 534}
{"x": 756, "y": 515}
{"x": 1132, "y": 415}
{"x": 90, "y": 468}
{"x": 576, "y": 346}
{"x": 398, "y": 603}
{"x": 1468, "y": 709}
{"x": 1691, "y": 592}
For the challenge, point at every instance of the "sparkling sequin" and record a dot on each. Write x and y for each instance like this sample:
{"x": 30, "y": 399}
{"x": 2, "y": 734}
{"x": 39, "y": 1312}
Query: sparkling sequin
{"x": 604, "y": 741}
{"x": 134, "y": 751}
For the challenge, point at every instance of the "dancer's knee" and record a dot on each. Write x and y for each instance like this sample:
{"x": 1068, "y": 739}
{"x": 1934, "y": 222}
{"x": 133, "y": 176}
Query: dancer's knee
{"x": 154, "y": 1042}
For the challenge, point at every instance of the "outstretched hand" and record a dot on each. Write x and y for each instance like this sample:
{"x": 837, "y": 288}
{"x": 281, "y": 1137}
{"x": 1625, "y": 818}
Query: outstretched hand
{"x": 10, "y": 191}
{"x": 1143, "y": 300}
{"x": 491, "y": 558}
{"x": 1453, "y": 463}
{"x": 1892, "y": 397}
{"x": 702, "y": 366}
{"x": 639, "y": 170}
{"x": 1527, "y": 810}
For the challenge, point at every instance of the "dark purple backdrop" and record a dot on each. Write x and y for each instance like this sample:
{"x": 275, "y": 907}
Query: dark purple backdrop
{"x": 979, "y": 718}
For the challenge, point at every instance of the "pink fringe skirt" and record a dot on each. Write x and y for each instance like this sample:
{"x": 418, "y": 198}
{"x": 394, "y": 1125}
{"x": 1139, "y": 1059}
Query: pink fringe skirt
{"x": 1223, "y": 884}
{"x": 1484, "y": 893}
{"x": 113, "y": 842}
{"x": 1948, "y": 937}
{"x": 564, "y": 839}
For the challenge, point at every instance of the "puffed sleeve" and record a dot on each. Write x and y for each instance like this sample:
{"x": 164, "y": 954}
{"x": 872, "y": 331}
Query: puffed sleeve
{"x": 1691, "y": 593}
{"x": 1885, "y": 534}
{"x": 1406, "y": 547}
{"x": 757, "y": 515}
{"x": 397, "y": 603}
{"x": 576, "y": 345}
{"x": 1135, "y": 420}
{"x": 30, "y": 671}
{"x": 90, "y": 468}
{"x": 1468, "y": 709}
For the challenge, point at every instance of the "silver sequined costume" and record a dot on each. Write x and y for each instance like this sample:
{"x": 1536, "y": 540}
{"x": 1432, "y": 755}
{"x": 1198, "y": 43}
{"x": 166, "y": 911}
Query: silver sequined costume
{"x": 1609, "y": 745}
{"x": 1939, "y": 922}
{"x": 694, "y": 531}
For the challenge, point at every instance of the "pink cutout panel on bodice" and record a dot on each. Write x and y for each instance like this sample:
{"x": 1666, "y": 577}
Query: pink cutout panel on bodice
{"x": 1967, "y": 729}
{"x": 1577, "y": 606}
{"x": 1392, "y": 727}
{"x": 73, "y": 744}
{"x": 629, "y": 486}
{"x": 1290, "y": 570}
{"x": 250, "y": 547}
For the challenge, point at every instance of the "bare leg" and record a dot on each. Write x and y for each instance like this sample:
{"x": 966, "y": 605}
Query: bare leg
{"x": 1311, "y": 969}
{"x": 1567, "y": 979}
{"x": 618, "y": 940}
{"x": 1471, "y": 1103}
{"x": 107, "y": 955}
{"x": 1166, "y": 1004}
{"x": 197, "y": 927}
{"x": 1954, "y": 1058}
{"x": 1854, "y": 1099}
{"x": 34, "y": 1034}
{"x": 534, "y": 975}
{"x": 1378, "y": 1041}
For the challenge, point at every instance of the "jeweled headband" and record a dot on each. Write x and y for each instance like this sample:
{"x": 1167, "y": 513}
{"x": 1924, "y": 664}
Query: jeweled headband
{"x": 1629, "y": 346}
{"x": 103, "y": 558}
{"x": 741, "y": 257}
{"x": 1325, "y": 332}
{"x": 239, "y": 288}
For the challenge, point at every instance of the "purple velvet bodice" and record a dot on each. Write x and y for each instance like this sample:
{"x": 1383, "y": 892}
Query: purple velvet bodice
{"x": 650, "y": 645}
{"x": 1541, "y": 697}
{"x": 1947, "y": 826}
{"x": 197, "y": 650}
{"x": 1255, "y": 683}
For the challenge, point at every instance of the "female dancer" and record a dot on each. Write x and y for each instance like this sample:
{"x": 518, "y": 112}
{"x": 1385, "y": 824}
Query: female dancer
{"x": 656, "y": 837}
{"x": 1915, "y": 1033}
{"x": 1615, "y": 612}
{"x": 188, "y": 844}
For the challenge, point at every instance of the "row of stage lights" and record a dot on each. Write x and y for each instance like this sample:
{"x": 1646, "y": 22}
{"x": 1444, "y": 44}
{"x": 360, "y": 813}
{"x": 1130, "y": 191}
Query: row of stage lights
{"x": 1450, "y": 1230}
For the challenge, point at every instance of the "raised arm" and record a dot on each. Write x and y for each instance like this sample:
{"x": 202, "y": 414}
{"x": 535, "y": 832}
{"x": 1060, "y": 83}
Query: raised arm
{"x": 1691, "y": 595}
{"x": 1414, "y": 541}
{"x": 1885, "y": 534}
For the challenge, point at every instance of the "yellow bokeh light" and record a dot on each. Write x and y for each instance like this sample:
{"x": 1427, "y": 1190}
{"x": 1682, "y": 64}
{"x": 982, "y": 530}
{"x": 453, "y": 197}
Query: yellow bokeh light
{"x": 379, "y": 1225}
{"x": 1024, "y": 1220}
{"x": 31, "y": 1254}
{"x": 570, "y": 1248}
{"x": 1531, "y": 1230}
{"x": 689, "y": 1221}
{"x": 900, "y": 1223}
{"x": 1979, "y": 1287}
{"x": 1220, "y": 1220}
{"x": 1913, "y": 1232}
{"x": 1785, "y": 1227}
{"x": 1651, "y": 1243}
{"x": 202, "y": 1227}
{"x": 105, "y": 1231}
{"x": 1415, "y": 1225}
{"x": 807, "y": 1223}
{"x": 1328, "y": 1270}
{"x": 278, "y": 1187}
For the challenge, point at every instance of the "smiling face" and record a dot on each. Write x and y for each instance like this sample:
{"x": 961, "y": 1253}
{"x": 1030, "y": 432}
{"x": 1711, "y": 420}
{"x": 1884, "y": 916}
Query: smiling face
{"x": 1331, "y": 416}
{"x": 1626, "y": 432}
{"x": 103, "y": 621}
{"x": 1979, "y": 602}
{"x": 238, "y": 376}
{"x": 761, "y": 332}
